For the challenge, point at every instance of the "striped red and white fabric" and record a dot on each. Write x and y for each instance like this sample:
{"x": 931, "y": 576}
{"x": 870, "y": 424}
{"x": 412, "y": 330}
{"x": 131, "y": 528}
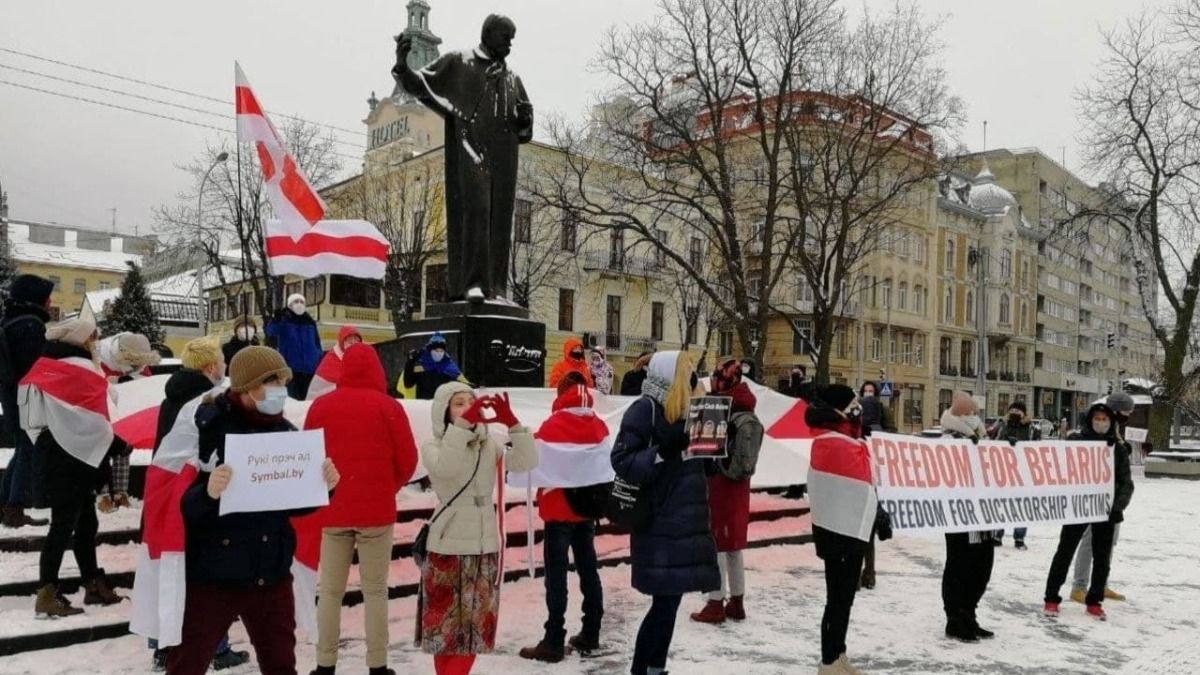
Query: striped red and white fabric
{"x": 574, "y": 450}
{"x": 299, "y": 240}
{"x": 70, "y": 398}
{"x": 841, "y": 485}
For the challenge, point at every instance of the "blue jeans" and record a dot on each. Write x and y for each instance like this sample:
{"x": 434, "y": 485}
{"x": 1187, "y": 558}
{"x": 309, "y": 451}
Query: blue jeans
{"x": 14, "y": 491}
{"x": 1018, "y": 533}
{"x": 579, "y": 539}
{"x": 222, "y": 646}
{"x": 654, "y": 635}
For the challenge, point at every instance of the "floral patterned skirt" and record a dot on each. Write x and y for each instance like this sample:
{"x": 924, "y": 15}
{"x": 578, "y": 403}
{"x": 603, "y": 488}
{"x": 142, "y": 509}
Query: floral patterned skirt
{"x": 458, "y": 605}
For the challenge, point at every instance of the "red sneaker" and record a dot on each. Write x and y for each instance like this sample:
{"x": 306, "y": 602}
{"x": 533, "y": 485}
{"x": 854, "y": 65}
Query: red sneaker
{"x": 1051, "y": 609}
{"x": 1097, "y": 611}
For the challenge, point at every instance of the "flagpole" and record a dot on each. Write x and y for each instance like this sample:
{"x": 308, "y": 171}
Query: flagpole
{"x": 238, "y": 144}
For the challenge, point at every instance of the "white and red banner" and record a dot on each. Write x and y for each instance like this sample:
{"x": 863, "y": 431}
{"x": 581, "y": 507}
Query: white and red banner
{"x": 70, "y": 398}
{"x": 939, "y": 485}
{"x": 299, "y": 240}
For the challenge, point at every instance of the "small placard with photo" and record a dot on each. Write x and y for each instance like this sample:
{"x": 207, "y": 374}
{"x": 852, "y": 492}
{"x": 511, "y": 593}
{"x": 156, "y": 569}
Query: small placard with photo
{"x": 708, "y": 427}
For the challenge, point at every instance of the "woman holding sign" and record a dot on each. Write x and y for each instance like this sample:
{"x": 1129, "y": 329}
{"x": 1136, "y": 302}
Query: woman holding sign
{"x": 460, "y": 579}
{"x": 675, "y": 553}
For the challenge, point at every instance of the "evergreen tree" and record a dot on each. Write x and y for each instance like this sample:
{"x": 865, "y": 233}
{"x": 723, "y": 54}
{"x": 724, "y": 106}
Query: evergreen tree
{"x": 132, "y": 312}
{"x": 8, "y": 270}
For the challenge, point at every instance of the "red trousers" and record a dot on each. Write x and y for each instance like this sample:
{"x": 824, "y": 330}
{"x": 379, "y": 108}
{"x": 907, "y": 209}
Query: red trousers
{"x": 268, "y": 613}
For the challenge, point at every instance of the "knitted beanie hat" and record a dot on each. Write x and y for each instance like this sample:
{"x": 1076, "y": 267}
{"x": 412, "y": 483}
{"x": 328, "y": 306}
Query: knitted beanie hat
{"x": 837, "y": 396}
{"x": 72, "y": 331}
{"x": 294, "y": 297}
{"x": 253, "y": 365}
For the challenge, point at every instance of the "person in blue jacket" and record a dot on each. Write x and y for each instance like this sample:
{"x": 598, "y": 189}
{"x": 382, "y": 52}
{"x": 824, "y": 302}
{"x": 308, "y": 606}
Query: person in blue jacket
{"x": 675, "y": 553}
{"x": 295, "y": 336}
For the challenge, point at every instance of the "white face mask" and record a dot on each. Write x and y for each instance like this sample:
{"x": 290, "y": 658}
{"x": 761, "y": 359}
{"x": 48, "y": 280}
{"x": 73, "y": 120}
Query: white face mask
{"x": 245, "y": 334}
{"x": 437, "y": 355}
{"x": 297, "y": 308}
{"x": 745, "y": 368}
{"x": 272, "y": 403}
{"x": 1101, "y": 427}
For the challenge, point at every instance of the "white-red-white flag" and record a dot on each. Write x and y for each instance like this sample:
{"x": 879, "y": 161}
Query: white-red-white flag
{"x": 70, "y": 398}
{"x": 299, "y": 240}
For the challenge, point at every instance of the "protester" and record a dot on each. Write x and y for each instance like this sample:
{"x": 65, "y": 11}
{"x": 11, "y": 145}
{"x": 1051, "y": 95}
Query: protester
{"x": 602, "y": 370}
{"x": 330, "y": 369}
{"x": 842, "y": 495}
{"x": 297, "y": 339}
{"x": 460, "y": 579}
{"x": 26, "y": 312}
{"x": 368, "y": 438}
{"x": 64, "y": 409}
{"x": 203, "y": 369}
{"x": 239, "y": 565}
{"x": 245, "y": 334}
{"x": 675, "y": 553}
{"x": 429, "y": 369}
{"x": 729, "y": 508}
{"x": 969, "y": 555}
{"x": 1100, "y": 424}
{"x": 1014, "y": 428}
{"x": 572, "y": 360}
{"x": 631, "y": 384}
{"x": 573, "y": 422}
{"x": 796, "y": 378}
{"x": 749, "y": 370}
{"x": 875, "y": 417}
{"x": 123, "y": 357}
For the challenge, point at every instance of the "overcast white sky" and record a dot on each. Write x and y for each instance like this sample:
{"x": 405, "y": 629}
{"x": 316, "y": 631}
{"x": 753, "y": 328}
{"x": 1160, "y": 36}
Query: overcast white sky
{"x": 1014, "y": 63}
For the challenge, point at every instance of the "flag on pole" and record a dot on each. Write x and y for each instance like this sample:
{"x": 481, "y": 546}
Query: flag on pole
{"x": 299, "y": 240}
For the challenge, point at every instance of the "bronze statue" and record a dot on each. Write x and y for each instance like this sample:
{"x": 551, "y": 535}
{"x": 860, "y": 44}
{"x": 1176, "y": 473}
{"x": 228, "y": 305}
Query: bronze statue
{"x": 487, "y": 117}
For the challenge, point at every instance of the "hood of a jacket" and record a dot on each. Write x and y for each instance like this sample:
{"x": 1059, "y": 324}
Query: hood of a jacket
{"x": 441, "y": 403}
{"x": 344, "y": 334}
{"x": 570, "y": 345}
{"x": 186, "y": 384}
{"x": 362, "y": 369}
{"x": 1086, "y": 431}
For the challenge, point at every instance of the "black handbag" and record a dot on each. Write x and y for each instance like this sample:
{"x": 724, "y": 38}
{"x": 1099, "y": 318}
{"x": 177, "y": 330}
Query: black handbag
{"x": 629, "y": 504}
{"x": 883, "y": 524}
{"x": 420, "y": 545}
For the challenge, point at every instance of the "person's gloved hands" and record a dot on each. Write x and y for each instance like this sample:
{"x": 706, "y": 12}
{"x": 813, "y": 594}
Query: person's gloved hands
{"x": 474, "y": 414}
{"x": 502, "y": 411}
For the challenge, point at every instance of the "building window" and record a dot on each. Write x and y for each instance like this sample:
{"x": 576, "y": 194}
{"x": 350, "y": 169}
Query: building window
{"x": 1005, "y": 311}
{"x": 797, "y": 342}
{"x": 436, "y": 284}
{"x": 892, "y": 355}
{"x": 216, "y": 309}
{"x": 876, "y": 344}
{"x": 887, "y": 293}
{"x": 523, "y": 221}
{"x": 612, "y": 323}
{"x": 949, "y": 262}
{"x": 918, "y": 350}
{"x": 1002, "y": 403}
{"x": 918, "y": 300}
{"x": 696, "y": 253}
{"x": 1024, "y": 275}
{"x": 105, "y": 285}
{"x": 80, "y": 286}
{"x": 725, "y": 342}
{"x": 913, "y": 400}
{"x": 314, "y": 291}
{"x": 1021, "y": 368}
{"x": 570, "y": 230}
{"x": 56, "y": 281}
{"x": 843, "y": 342}
{"x": 906, "y": 348}
{"x": 353, "y": 292}
{"x": 692, "y": 320}
{"x": 970, "y": 306}
{"x": 1006, "y": 265}
{"x": 660, "y": 250}
{"x": 656, "y": 320}
{"x": 616, "y": 249}
{"x": 902, "y": 296}
{"x": 566, "y": 309}
{"x": 945, "y": 398}
{"x": 966, "y": 358}
{"x": 948, "y": 304}
{"x": 945, "y": 345}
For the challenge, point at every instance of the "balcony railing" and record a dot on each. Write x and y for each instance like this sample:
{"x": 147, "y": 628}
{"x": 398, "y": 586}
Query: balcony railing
{"x": 621, "y": 343}
{"x": 606, "y": 261}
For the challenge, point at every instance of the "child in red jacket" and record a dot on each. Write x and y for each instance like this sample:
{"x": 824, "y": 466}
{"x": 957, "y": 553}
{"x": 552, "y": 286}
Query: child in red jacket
{"x": 368, "y": 437}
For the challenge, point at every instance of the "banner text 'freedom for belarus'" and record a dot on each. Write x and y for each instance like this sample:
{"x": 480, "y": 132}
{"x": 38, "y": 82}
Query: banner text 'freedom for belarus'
{"x": 938, "y": 485}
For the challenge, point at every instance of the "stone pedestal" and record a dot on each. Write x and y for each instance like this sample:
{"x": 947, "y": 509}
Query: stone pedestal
{"x": 493, "y": 350}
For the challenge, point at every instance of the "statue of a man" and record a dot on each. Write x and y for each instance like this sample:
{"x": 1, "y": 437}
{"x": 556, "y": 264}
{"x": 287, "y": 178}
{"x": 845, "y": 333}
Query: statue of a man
{"x": 487, "y": 117}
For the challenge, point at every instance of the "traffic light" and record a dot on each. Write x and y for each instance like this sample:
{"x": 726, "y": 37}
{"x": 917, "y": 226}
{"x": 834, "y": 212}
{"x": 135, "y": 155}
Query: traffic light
{"x": 1112, "y": 340}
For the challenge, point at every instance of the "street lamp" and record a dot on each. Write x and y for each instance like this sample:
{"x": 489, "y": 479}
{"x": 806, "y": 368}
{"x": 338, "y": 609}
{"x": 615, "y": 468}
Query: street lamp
{"x": 200, "y": 305}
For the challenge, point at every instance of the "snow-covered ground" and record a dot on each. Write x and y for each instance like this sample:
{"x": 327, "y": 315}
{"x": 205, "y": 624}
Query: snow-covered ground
{"x": 897, "y": 628}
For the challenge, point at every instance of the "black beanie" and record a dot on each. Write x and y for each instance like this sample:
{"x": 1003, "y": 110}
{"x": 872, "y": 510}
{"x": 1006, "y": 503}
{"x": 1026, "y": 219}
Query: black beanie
{"x": 30, "y": 289}
{"x": 1019, "y": 405}
{"x": 837, "y": 396}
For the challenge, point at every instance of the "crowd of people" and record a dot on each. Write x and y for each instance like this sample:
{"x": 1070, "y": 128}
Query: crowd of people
{"x": 239, "y": 565}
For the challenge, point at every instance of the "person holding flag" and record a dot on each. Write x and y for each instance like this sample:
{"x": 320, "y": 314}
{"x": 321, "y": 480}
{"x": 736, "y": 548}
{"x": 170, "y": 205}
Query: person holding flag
{"x": 329, "y": 372}
{"x": 64, "y": 407}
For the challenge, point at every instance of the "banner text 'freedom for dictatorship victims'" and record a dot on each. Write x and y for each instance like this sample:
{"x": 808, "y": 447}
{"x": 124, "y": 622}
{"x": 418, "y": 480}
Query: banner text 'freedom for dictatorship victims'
{"x": 937, "y": 485}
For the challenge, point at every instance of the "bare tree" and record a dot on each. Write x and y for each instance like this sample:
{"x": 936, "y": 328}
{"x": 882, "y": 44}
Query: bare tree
{"x": 236, "y": 208}
{"x": 1141, "y": 131}
{"x": 776, "y": 139}
{"x": 405, "y": 203}
{"x": 540, "y": 257}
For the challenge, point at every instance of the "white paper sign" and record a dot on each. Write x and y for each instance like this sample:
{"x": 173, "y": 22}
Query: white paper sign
{"x": 1135, "y": 434}
{"x": 275, "y": 472}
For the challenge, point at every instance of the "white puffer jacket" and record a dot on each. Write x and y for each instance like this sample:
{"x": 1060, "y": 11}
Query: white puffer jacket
{"x": 468, "y": 527}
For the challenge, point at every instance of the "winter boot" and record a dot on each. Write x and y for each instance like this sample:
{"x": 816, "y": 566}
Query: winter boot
{"x": 867, "y": 581}
{"x": 98, "y": 592}
{"x": 1020, "y": 545}
{"x": 713, "y": 612}
{"x": 104, "y": 504}
{"x": 1050, "y": 609}
{"x": 734, "y": 609}
{"x": 959, "y": 628}
{"x": 542, "y": 652}
{"x": 121, "y": 500}
{"x": 981, "y": 632}
{"x": 1097, "y": 612}
{"x": 584, "y": 645}
{"x": 381, "y": 670}
{"x": 1079, "y": 595}
{"x": 321, "y": 670}
{"x": 844, "y": 664}
{"x": 51, "y": 604}
{"x": 1110, "y": 594}
{"x": 158, "y": 663}
{"x": 14, "y": 517}
{"x": 231, "y": 659}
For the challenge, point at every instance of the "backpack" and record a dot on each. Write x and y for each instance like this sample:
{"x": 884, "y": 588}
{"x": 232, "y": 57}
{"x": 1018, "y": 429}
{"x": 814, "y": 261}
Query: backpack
{"x": 590, "y": 501}
{"x": 744, "y": 445}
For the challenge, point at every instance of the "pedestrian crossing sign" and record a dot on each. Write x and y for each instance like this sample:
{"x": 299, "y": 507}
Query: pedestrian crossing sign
{"x": 885, "y": 389}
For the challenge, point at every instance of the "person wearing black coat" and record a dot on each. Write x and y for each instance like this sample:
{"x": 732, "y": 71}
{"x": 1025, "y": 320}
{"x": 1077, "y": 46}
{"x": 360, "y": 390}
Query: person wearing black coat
{"x": 245, "y": 334}
{"x": 239, "y": 565}
{"x": 1100, "y": 424}
{"x": 24, "y": 326}
{"x": 675, "y": 553}
{"x": 631, "y": 384}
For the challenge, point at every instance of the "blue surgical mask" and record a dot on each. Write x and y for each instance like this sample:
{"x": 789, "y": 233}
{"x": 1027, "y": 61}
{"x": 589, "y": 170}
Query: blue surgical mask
{"x": 272, "y": 403}
{"x": 437, "y": 355}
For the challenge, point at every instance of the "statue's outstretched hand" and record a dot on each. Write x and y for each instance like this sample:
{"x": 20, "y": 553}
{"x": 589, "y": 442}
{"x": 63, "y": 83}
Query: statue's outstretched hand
{"x": 403, "y": 47}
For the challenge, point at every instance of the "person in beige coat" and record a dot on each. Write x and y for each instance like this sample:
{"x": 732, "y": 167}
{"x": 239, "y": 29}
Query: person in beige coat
{"x": 460, "y": 579}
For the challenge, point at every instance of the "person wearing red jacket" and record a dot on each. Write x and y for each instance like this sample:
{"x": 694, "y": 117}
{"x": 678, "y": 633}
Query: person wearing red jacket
{"x": 729, "y": 508}
{"x": 329, "y": 372}
{"x": 368, "y": 437}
